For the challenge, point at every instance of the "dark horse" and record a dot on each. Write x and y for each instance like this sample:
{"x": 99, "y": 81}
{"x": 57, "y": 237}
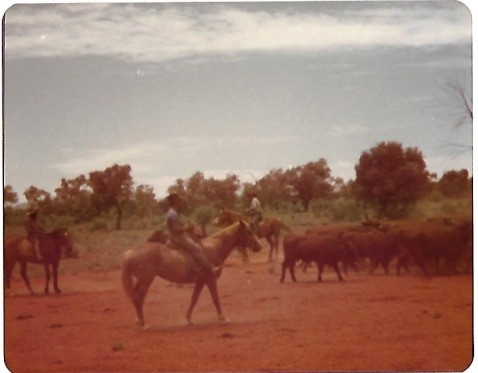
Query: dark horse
{"x": 153, "y": 259}
{"x": 19, "y": 249}
{"x": 269, "y": 229}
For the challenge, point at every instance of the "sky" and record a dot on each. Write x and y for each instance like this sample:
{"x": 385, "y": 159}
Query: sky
{"x": 230, "y": 88}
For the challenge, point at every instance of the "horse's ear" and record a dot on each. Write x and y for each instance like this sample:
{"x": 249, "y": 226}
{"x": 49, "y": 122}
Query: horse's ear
{"x": 242, "y": 223}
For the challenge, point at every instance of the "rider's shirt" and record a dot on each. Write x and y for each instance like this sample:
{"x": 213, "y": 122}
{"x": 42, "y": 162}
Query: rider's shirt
{"x": 255, "y": 205}
{"x": 174, "y": 224}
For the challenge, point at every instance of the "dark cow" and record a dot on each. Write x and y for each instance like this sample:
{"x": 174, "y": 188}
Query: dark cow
{"x": 321, "y": 249}
{"x": 436, "y": 241}
{"x": 379, "y": 247}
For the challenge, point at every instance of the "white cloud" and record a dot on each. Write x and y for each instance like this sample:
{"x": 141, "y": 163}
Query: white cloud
{"x": 347, "y": 130}
{"x": 159, "y": 32}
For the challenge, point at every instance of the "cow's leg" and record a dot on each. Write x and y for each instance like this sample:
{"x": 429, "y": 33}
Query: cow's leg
{"x": 212, "y": 286}
{"x": 374, "y": 262}
{"x": 284, "y": 268}
{"x": 55, "y": 277}
{"x": 198, "y": 286}
{"x": 321, "y": 269}
{"x": 337, "y": 270}
{"x": 23, "y": 271}
{"x": 292, "y": 271}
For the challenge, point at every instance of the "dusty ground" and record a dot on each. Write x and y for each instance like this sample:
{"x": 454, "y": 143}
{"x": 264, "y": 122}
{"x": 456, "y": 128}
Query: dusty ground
{"x": 378, "y": 322}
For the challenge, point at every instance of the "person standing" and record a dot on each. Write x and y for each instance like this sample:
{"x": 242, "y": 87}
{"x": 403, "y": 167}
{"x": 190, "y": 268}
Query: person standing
{"x": 177, "y": 236}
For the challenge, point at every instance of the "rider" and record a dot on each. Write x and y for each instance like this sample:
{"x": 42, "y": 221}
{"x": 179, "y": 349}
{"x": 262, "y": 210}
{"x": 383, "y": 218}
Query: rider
{"x": 255, "y": 211}
{"x": 34, "y": 230}
{"x": 177, "y": 236}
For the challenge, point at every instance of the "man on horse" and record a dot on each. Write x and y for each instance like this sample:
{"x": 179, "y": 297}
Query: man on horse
{"x": 178, "y": 237}
{"x": 255, "y": 211}
{"x": 34, "y": 229}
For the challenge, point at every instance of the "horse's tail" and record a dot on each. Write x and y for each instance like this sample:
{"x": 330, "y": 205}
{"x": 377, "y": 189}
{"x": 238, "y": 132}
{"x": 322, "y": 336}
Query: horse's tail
{"x": 127, "y": 277}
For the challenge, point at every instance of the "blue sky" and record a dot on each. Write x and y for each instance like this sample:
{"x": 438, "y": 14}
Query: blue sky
{"x": 175, "y": 88}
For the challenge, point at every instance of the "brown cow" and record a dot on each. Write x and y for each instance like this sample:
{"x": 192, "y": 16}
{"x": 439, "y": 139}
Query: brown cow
{"x": 435, "y": 240}
{"x": 321, "y": 249}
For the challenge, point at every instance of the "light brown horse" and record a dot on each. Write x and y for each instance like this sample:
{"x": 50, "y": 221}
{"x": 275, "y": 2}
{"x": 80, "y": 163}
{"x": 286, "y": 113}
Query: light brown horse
{"x": 153, "y": 259}
{"x": 269, "y": 229}
{"x": 19, "y": 249}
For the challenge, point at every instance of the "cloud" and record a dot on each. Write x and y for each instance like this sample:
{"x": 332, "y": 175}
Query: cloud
{"x": 161, "y": 31}
{"x": 150, "y": 159}
{"x": 347, "y": 130}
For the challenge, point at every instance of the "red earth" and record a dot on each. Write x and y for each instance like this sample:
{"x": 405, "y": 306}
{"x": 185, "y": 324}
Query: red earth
{"x": 366, "y": 323}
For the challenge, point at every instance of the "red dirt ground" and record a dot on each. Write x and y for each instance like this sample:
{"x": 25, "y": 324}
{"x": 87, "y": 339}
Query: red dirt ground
{"x": 370, "y": 323}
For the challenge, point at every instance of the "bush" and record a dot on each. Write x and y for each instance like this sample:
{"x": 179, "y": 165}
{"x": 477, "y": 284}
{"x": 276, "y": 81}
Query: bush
{"x": 99, "y": 224}
{"x": 338, "y": 210}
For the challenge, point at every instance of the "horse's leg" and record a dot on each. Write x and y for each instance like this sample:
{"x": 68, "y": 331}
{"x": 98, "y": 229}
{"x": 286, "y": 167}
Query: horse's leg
{"x": 23, "y": 271}
{"x": 271, "y": 247}
{"x": 8, "y": 273}
{"x": 141, "y": 289}
{"x": 212, "y": 286}
{"x": 47, "y": 277}
{"x": 198, "y": 286}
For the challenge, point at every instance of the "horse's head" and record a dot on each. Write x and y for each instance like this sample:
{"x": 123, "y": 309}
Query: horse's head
{"x": 222, "y": 218}
{"x": 247, "y": 237}
{"x": 63, "y": 237}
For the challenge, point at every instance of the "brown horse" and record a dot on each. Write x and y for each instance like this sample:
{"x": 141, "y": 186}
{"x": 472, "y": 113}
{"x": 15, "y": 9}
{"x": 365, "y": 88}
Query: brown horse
{"x": 153, "y": 259}
{"x": 269, "y": 229}
{"x": 19, "y": 249}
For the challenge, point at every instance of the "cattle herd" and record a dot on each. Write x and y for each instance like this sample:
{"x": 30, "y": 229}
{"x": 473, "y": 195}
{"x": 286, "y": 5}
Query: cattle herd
{"x": 437, "y": 246}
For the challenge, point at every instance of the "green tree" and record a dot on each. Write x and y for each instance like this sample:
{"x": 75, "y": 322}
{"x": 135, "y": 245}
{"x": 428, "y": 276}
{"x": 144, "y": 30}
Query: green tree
{"x": 312, "y": 180}
{"x": 73, "y": 197}
{"x": 390, "y": 178}
{"x": 454, "y": 183}
{"x": 145, "y": 200}
{"x": 9, "y": 194}
{"x": 112, "y": 188}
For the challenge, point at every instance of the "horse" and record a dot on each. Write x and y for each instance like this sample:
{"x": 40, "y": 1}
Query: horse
{"x": 269, "y": 229}
{"x": 19, "y": 249}
{"x": 152, "y": 259}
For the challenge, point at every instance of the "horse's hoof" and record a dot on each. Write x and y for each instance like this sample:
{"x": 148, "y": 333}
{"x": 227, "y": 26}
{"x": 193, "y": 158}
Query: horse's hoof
{"x": 146, "y": 327}
{"x": 224, "y": 320}
{"x": 139, "y": 323}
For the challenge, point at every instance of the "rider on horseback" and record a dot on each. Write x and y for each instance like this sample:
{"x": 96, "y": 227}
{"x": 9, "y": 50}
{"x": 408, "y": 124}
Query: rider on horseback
{"x": 177, "y": 236}
{"x": 34, "y": 229}
{"x": 255, "y": 212}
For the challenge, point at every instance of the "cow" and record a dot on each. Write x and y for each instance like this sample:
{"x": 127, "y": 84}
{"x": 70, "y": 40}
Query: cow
{"x": 436, "y": 241}
{"x": 321, "y": 249}
{"x": 379, "y": 247}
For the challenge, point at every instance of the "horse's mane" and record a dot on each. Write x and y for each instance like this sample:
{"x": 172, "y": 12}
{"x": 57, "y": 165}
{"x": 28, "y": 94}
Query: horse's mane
{"x": 225, "y": 231}
{"x": 235, "y": 213}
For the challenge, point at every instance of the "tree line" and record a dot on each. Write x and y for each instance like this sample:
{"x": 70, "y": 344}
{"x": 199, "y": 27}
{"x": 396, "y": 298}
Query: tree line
{"x": 390, "y": 179}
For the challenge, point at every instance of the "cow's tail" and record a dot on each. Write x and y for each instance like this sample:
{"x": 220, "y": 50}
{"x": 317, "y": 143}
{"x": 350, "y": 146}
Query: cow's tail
{"x": 127, "y": 277}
